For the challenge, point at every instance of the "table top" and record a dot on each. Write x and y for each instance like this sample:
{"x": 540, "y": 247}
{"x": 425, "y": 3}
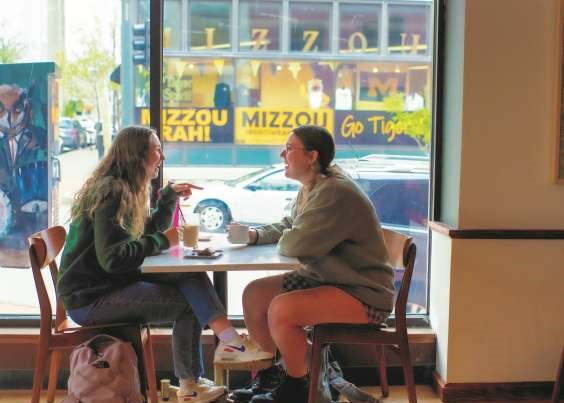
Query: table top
{"x": 233, "y": 258}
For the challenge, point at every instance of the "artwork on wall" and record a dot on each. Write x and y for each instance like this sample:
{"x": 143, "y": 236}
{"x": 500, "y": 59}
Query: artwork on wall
{"x": 24, "y": 157}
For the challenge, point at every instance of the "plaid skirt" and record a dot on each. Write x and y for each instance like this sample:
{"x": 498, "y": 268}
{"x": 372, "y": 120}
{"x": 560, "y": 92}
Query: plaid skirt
{"x": 293, "y": 281}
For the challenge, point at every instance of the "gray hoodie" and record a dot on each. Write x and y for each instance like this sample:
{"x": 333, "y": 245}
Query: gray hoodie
{"x": 338, "y": 239}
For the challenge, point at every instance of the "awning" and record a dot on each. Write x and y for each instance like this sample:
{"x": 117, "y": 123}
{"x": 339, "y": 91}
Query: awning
{"x": 115, "y": 77}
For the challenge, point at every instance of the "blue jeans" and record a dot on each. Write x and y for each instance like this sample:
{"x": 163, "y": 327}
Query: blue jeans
{"x": 187, "y": 299}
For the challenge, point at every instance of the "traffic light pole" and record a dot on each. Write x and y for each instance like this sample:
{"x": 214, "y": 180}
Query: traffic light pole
{"x": 156, "y": 78}
{"x": 126, "y": 70}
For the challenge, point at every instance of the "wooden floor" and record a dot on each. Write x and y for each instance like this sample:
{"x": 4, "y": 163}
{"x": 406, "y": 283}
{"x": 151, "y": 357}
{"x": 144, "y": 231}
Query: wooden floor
{"x": 397, "y": 394}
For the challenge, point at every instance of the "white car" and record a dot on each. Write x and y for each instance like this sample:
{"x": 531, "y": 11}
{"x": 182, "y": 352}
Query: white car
{"x": 263, "y": 196}
{"x": 244, "y": 199}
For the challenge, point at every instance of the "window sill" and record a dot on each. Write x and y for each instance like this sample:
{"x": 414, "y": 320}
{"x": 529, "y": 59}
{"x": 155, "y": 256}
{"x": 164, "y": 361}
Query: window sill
{"x": 161, "y": 335}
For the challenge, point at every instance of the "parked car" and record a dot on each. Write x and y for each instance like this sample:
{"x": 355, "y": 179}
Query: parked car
{"x": 89, "y": 129}
{"x": 402, "y": 203}
{"x": 244, "y": 198}
{"x": 72, "y": 134}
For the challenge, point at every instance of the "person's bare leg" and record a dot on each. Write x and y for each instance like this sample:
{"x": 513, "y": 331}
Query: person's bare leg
{"x": 256, "y": 300}
{"x": 290, "y": 312}
{"x": 219, "y": 324}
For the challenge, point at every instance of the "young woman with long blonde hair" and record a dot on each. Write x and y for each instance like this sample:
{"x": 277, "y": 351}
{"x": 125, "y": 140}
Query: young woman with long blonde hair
{"x": 111, "y": 233}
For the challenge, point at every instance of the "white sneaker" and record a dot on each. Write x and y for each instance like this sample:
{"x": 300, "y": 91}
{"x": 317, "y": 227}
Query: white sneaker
{"x": 205, "y": 382}
{"x": 248, "y": 352}
{"x": 201, "y": 393}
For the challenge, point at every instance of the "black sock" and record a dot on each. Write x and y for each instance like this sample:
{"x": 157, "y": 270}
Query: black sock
{"x": 302, "y": 380}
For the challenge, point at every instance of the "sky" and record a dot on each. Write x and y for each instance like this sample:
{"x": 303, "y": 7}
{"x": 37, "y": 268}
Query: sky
{"x": 82, "y": 18}
{"x": 86, "y": 17}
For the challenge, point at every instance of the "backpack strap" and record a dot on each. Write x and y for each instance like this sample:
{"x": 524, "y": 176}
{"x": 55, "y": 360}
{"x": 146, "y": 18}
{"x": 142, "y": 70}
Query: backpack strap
{"x": 95, "y": 342}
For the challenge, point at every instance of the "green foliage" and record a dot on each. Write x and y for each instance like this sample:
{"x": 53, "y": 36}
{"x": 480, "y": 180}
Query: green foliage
{"x": 73, "y": 108}
{"x": 416, "y": 124}
{"x": 10, "y": 51}
{"x": 142, "y": 80}
{"x": 69, "y": 110}
{"x": 87, "y": 77}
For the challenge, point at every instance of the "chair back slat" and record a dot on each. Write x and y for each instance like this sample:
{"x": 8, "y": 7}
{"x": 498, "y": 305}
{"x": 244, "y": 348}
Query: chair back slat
{"x": 401, "y": 251}
{"x": 44, "y": 248}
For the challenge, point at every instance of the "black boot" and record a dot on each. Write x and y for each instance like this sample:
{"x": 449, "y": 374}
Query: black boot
{"x": 265, "y": 381}
{"x": 291, "y": 390}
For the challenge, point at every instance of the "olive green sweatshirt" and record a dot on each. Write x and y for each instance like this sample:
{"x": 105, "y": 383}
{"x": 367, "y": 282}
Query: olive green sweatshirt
{"x": 338, "y": 239}
{"x": 100, "y": 256}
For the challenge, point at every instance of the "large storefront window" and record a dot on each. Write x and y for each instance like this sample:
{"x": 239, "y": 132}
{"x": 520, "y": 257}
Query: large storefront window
{"x": 260, "y": 26}
{"x": 407, "y": 29}
{"x": 172, "y": 30}
{"x": 210, "y": 25}
{"x": 238, "y": 75}
{"x": 310, "y": 27}
{"x": 256, "y": 69}
{"x": 360, "y": 28}
{"x": 197, "y": 82}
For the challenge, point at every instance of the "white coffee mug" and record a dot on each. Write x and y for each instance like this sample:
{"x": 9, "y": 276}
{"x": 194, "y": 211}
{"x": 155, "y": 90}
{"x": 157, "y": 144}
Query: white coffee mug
{"x": 238, "y": 233}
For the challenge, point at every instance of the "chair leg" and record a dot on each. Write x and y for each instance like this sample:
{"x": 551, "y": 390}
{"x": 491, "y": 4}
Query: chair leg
{"x": 40, "y": 362}
{"x": 383, "y": 371}
{"x": 315, "y": 367}
{"x": 149, "y": 361}
{"x": 407, "y": 371}
{"x": 53, "y": 375}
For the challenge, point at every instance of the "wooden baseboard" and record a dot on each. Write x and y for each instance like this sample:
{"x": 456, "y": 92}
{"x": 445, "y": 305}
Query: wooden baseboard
{"x": 467, "y": 392}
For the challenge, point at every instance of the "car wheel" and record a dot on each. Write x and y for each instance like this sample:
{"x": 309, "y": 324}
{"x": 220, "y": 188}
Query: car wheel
{"x": 214, "y": 215}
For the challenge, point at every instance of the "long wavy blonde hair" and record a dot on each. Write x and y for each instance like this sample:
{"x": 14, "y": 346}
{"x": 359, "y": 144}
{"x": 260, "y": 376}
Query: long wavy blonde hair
{"x": 121, "y": 174}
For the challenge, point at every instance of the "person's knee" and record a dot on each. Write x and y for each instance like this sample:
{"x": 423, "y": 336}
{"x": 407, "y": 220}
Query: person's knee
{"x": 193, "y": 277}
{"x": 252, "y": 296}
{"x": 282, "y": 312}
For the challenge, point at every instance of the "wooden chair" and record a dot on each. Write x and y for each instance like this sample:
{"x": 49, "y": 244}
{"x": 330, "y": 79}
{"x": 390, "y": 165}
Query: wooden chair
{"x": 63, "y": 333}
{"x": 402, "y": 252}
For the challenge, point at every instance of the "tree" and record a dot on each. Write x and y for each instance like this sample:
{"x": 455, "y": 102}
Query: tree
{"x": 10, "y": 51}
{"x": 415, "y": 124}
{"x": 87, "y": 77}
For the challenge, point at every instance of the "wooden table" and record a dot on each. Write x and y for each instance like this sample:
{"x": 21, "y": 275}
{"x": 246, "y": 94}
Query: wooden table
{"x": 234, "y": 258}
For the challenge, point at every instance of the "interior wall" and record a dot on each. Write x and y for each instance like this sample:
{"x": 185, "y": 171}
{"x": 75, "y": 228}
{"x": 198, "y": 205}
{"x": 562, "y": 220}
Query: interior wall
{"x": 505, "y": 296}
